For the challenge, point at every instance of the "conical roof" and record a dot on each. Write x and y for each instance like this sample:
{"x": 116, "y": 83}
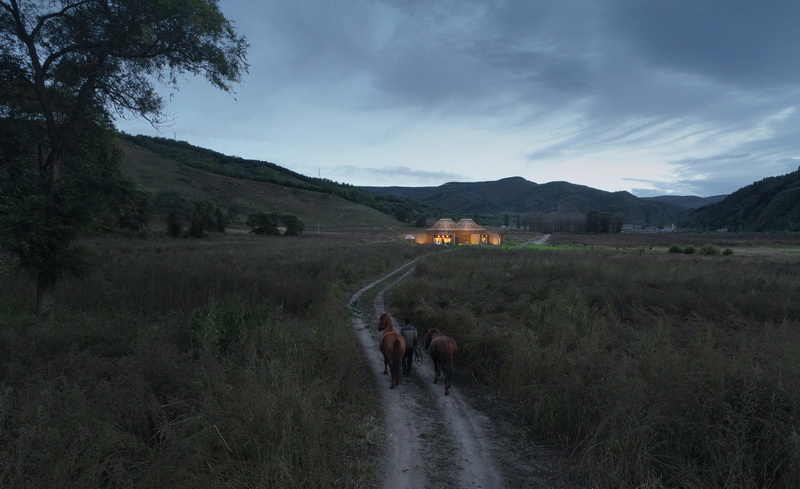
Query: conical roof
{"x": 444, "y": 224}
{"x": 469, "y": 225}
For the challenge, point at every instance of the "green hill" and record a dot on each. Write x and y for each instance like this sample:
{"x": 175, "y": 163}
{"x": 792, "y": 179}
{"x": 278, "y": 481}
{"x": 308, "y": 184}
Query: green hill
{"x": 161, "y": 165}
{"x": 520, "y": 196}
{"x": 771, "y": 204}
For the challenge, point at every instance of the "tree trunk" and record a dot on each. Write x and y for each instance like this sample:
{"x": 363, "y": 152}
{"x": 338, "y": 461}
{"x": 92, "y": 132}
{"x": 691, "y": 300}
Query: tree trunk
{"x": 45, "y": 297}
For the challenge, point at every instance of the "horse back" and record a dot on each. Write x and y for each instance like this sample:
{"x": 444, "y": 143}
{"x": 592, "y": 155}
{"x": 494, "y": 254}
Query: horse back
{"x": 444, "y": 348}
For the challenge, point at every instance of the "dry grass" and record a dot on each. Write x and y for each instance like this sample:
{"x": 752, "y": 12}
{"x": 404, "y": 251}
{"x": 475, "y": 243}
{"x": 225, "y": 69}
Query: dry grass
{"x": 655, "y": 369}
{"x": 226, "y": 362}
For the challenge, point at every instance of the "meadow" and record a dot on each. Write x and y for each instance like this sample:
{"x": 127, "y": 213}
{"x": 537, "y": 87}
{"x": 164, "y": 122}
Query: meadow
{"x": 223, "y": 362}
{"x": 653, "y": 369}
{"x": 231, "y": 361}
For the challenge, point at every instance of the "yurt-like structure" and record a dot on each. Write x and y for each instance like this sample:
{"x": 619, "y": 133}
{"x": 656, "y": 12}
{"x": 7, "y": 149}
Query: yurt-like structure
{"x": 443, "y": 232}
{"x": 466, "y": 231}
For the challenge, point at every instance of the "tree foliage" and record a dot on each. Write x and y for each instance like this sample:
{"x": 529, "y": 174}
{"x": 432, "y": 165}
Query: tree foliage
{"x": 65, "y": 67}
{"x": 269, "y": 223}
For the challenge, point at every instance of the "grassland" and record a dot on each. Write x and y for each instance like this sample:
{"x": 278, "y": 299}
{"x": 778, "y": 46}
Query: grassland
{"x": 654, "y": 369}
{"x": 230, "y": 361}
{"x": 224, "y": 362}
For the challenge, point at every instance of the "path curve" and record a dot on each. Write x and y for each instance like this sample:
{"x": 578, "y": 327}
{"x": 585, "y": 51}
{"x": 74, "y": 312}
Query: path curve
{"x": 432, "y": 440}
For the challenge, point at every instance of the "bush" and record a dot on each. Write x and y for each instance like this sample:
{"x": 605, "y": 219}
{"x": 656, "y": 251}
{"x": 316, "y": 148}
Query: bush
{"x": 264, "y": 223}
{"x": 709, "y": 250}
{"x": 690, "y": 250}
{"x": 675, "y": 249}
{"x": 727, "y": 252}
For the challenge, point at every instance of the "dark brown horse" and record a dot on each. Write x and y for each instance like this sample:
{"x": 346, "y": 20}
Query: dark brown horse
{"x": 393, "y": 347}
{"x": 443, "y": 350}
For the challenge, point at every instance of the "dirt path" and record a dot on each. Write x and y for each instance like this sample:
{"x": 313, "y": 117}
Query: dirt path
{"x": 437, "y": 441}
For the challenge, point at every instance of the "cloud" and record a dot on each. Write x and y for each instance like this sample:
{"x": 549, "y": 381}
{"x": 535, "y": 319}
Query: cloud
{"x": 388, "y": 174}
{"x": 662, "y": 95}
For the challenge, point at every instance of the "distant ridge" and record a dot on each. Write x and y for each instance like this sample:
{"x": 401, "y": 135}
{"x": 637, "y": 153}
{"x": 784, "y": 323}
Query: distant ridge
{"x": 519, "y": 196}
{"x": 158, "y": 164}
{"x": 769, "y": 205}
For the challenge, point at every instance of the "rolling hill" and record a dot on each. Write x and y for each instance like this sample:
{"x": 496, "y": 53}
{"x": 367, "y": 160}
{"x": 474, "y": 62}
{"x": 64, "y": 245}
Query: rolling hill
{"x": 769, "y": 205}
{"x": 160, "y": 165}
{"x": 517, "y": 195}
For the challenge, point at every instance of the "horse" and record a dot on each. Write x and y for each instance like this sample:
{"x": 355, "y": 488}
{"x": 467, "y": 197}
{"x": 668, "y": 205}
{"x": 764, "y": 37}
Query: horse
{"x": 443, "y": 350}
{"x": 393, "y": 347}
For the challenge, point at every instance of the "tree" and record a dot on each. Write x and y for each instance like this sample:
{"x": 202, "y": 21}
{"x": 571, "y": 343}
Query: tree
{"x": 70, "y": 64}
{"x": 264, "y": 223}
{"x": 294, "y": 226}
{"x": 593, "y": 224}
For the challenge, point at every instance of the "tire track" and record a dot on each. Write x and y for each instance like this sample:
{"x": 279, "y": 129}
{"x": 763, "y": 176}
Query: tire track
{"x": 432, "y": 440}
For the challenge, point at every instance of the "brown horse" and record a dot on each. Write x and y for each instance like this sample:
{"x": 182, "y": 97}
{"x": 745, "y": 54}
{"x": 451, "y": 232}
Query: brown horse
{"x": 393, "y": 347}
{"x": 443, "y": 350}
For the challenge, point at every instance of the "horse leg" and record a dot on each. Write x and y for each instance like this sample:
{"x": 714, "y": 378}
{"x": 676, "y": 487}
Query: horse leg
{"x": 436, "y": 372}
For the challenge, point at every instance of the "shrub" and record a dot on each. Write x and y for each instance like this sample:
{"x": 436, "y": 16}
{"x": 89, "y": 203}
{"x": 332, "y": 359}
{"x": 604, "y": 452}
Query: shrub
{"x": 709, "y": 250}
{"x": 690, "y": 250}
{"x": 675, "y": 249}
{"x": 264, "y": 223}
{"x": 727, "y": 252}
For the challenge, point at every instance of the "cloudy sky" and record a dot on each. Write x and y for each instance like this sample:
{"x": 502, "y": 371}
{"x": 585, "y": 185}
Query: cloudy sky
{"x": 685, "y": 97}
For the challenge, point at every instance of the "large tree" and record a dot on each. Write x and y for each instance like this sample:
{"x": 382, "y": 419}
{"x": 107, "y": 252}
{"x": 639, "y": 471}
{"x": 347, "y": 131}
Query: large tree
{"x": 66, "y": 66}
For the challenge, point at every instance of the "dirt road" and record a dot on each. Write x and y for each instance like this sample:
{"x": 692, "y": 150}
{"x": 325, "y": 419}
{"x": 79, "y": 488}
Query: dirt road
{"x": 437, "y": 441}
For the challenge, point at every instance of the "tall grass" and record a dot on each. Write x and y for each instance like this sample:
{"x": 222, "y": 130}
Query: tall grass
{"x": 227, "y": 362}
{"x": 655, "y": 370}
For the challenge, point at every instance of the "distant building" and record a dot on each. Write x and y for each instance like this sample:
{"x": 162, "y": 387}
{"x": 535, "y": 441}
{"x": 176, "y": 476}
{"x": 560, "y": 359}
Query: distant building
{"x": 465, "y": 231}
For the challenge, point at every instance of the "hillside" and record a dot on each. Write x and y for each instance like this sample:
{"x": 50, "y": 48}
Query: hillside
{"x": 687, "y": 201}
{"x": 771, "y": 204}
{"x": 159, "y": 165}
{"x": 519, "y": 196}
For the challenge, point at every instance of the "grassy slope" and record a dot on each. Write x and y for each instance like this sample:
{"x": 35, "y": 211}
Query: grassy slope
{"x": 156, "y": 173}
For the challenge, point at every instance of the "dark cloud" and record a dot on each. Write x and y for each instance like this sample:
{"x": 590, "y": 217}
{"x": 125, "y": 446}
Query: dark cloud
{"x": 701, "y": 93}
{"x": 738, "y": 42}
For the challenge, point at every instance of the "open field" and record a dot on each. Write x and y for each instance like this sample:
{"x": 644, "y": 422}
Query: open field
{"x": 223, "y": 362}
{"x": 654, "y": 369}
{"x": 747, "y": 244}
{"x": 231, "y": 361}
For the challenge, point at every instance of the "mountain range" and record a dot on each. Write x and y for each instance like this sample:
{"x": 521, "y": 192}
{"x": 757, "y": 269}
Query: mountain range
{"x": 159, "y": 165}
{"x": 516, "y": 195}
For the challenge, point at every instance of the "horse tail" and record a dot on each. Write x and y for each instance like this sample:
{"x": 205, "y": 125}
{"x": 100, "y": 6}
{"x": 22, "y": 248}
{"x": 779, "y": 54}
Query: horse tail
{"x": 451, "y": 357}
{"x": 397, "y": 361}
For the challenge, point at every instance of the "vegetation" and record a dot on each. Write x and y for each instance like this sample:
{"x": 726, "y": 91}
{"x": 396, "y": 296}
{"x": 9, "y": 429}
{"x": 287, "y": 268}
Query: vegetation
{"x": 655, "y": 370}
{"x": 771, "y": 204}
{"x": 64, "y": 68}
{"x": 225, "y": 362}
{"x": 270, "y": 222}
{"x": 404, "y": 210}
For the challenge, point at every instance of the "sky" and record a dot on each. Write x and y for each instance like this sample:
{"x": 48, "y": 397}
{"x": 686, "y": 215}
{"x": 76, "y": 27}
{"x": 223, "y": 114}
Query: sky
{"x": 653, "y": 97}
